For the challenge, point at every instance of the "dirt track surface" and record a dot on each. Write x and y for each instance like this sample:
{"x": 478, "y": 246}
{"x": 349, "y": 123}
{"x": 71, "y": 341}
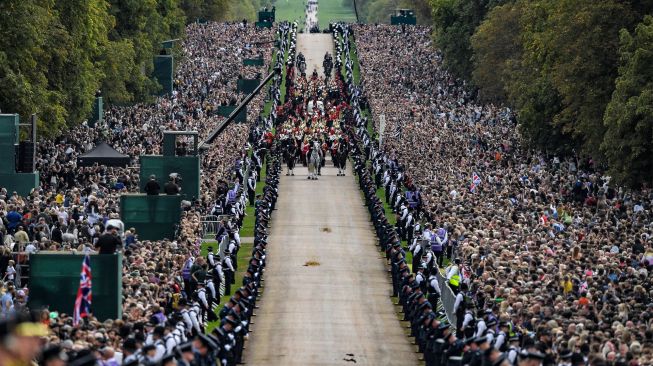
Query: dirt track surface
{"x": 314, "y": 46}
{"x": 338, "y": 308}
{"x": 320, "y": 314}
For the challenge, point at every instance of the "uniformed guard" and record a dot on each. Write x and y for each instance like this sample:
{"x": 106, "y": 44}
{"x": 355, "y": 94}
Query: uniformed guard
{"x": 501, "y": 342}
{"x": 502, "y": 360}
{"x": 195, "y": 313}
{"x": 251, "y": 188}
{"x": 184, "y": 354}
{"x": 491, "y": 332}
{"x": 482, "y": 345}
{"x": 210, "y": 257}
{"x": 454, "y": 350}
{"x": 229, "y": 272}
{"x": 440, "y": 344}
{"x": 460, "y": 306}
{"x": 513, "y": 349}
{"x": 531, "y": 358}
{"x": 469, "y": 351}
{"x": 205, "y": 303}
{"x": 169, "y": 340}
{"x": 205, "y": 351}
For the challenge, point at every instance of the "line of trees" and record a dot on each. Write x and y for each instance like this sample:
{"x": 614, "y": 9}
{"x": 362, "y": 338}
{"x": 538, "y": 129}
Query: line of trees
{"x": 577, "y": 72}
{"x": 55, "y": 54}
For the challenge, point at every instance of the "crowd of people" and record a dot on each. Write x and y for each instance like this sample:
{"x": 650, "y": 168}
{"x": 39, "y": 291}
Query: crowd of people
{"x": 170, "y": 291}
{"x": 549, "y": 262}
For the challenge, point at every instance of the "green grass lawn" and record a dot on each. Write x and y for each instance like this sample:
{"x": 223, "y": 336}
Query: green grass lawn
{"x": 354, "y": 57}
{"x": 291, "y": 10}
{"x": 328, "y": 11}
{"x": 334, "y": 10}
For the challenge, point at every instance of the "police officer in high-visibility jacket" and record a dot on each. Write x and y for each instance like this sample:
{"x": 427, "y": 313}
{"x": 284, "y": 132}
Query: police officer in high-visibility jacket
{"x": 453, "y": 275}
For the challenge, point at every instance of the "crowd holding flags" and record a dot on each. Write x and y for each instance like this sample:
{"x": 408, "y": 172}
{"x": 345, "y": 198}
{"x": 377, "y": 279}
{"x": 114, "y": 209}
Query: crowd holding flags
{"x": 84, "y": 294}
{"x": 476, "y": 180}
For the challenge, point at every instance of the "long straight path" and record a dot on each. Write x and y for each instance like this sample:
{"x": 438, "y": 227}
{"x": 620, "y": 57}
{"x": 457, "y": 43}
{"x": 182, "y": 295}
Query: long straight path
{"x": 326, "y": 296}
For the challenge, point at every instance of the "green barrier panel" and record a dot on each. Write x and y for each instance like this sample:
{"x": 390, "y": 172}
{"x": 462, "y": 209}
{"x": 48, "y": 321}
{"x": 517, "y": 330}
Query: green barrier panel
{"x": 266, "y": 16}
{"x": 263, "y": 24}
{"x": 170, "y": 143}
{"x": 8, "y": 140}
{"x": 54, "y": 280}
{"x": 22, "y": 183}
{"x": 169, "y": 43}
{"x": 225, "y": 111}
{"x": 253, "y": 62}
{"x": 153, "y": 217}
{"x": 403, "y": 16}
{"x": 98, "y": 112}
{"x": 188, "y": 167}
{"x": 163, "y": 66}
{"x": 247, "y": 86}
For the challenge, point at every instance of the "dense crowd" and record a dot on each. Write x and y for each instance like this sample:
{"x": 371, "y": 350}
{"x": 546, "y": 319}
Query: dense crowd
{"x": 547, "y": 256}
{"x": 170, "y": 291}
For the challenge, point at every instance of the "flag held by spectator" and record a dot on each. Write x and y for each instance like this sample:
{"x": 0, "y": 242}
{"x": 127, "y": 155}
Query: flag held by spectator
{"x": 84, "y": 294}
{"x": 476, "y": 180}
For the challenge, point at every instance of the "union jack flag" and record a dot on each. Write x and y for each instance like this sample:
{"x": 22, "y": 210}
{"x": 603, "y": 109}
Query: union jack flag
{"x": 84, "y": 294}
{"x": 476, "y": 180}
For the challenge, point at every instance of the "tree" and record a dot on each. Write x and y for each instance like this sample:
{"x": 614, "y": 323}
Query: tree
{"x": 581, "y": 43}
{"x": 628, "y": 141}
{"x": 144, "y": 24}
{"x": 454, "y": 23}
{"x": 206, "y": 9}
{"x": 79, "y": 75}
{"x": 25, "y": 31}
{"x": 496, "y": 47}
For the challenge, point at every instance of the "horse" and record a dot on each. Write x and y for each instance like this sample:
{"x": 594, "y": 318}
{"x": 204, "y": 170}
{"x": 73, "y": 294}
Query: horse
{"x": 314, "y": 157}
{"x": 340, "y": 161}
{"x": 301, "y": 63}
{"x": 290, "y": 155}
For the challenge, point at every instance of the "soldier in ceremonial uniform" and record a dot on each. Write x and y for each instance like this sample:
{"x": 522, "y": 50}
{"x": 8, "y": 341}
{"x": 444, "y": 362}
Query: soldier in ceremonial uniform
{"x": 184, "y": 354}
{"x": 454, "y": 350}
{"x": 470, "y": 351}
{"x": 531, "y": 358}
{"x": 205, "y": 351}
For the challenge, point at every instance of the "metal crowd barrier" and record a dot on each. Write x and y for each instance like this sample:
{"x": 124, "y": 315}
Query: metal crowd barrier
{"x": 448, "y": 298}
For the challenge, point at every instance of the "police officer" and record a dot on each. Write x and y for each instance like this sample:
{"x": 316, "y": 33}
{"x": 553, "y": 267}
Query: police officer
{"x": 205, "y": 303}
{"x": 251, "y": 188}
{"x": 195, "y": 314}
{"x": 460, "y": 306}
{"x": 513, "y": 349}
{"x": 229, "y": 271}
{"x": 500, "y": 342}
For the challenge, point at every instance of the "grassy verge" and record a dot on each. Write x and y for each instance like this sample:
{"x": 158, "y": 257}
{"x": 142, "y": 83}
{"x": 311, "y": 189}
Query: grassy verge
{"x": 354, "y": 58}
{"x": 290, "y": 10}
{"x": 334, "y": 11}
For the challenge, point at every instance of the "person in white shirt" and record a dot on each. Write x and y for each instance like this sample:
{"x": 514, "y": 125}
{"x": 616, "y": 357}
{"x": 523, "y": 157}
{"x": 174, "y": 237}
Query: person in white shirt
{"x": 10, "y": 273}
{"x": 31, "y": 248}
